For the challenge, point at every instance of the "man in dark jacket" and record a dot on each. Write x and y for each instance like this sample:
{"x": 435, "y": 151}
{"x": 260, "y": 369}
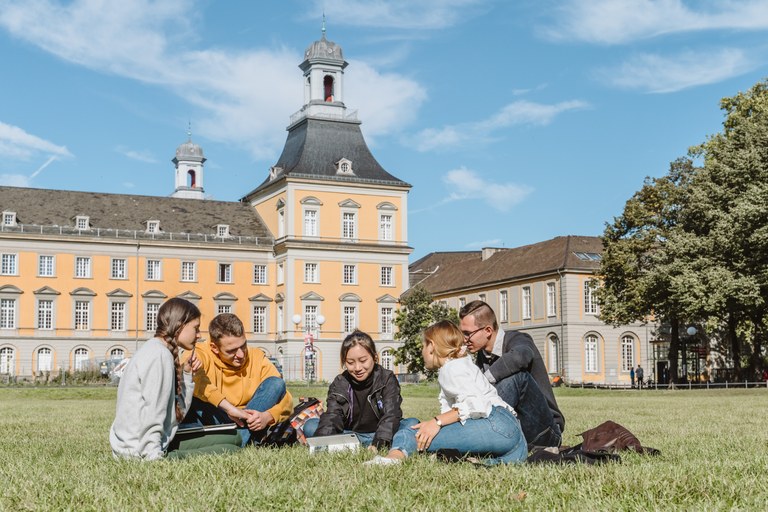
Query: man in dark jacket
{"x": 512, "y": 363}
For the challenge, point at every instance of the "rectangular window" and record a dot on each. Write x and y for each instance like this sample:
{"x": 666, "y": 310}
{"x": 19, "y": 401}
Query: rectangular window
{"x": 45, "y": 266}
{"x": 590, "y": 301}
{"x": 386, "y": 276}
{"x": 119, "y": 268}
{"x": 82, "y": 315}
{"x": 310, "y": 222}
{"x": 153, "y": 226}
{"x": 222, "y": 230}
{"x": 45, "y": 314}
{"x": 259, "y": 274}
{"x": 350, "y": 318}
{"x": 153, "y": 270}
{"x": 526, "y": 302}
{"x": 386, "y": 320}
{"x": 627, "y": 353}
{"x": 188, "y": 271}
{"x": 7, "y": 313}
{"x": 280, "y": 273}
{"x": 385, "y": 227}
{"x": 590, "y": 354}
{"x": 551, "y": 300}
{"x": 82, "y": 222}
{"x": 503, "y": 306}
{"x": 225, "y": 272}
{"x": 9, "y": 218}
{"x": 310, "y": 273}
{"x": 310, "y": 318}
{"x": 260, "y": 319}
{"x": 117, "y": 316}
{"x": 348, "y": 225}
{"x": 350, "y": 274}
{"x": 82, "y": 267}
{"x": 223, "y": 308}
{"x": 8, "y": 266}
{"x": 152, "y": 309}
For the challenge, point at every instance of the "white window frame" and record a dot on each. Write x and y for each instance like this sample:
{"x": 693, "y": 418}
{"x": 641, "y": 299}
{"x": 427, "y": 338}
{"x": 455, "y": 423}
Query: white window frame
{"x": 526, "y": 303}
{"x": 153, "y": 226}
{"x": 281, "y": 223}
{"x": 150, "y": 316}
{"x": 7, "y": 313}
{"x": 7, "y": 360}
{"x": 503, "y": 306}
{"x": 348, "y": 318}
{"x": 154, "y": 270}
{"x": 189, "y": 271}
{"x": 552, "y": 358}
{"x": 349, "y": 274}
{"x": 259, "y": 273}
{"x": 9, "y": 218}
{"x": 82, "y": 311}
{"x": 348, "y": 225}
{"x": 46, "y": 265}
{"x": 44, "y": 357}
{"x": 387, "y": 276}
{"x": 45, "y": 309}
{"x": 80, "y": 358}
{"x": 590, "y": 301}
{"x": 627, "y": 353}
{"x": 591, "y": 345}
{"x": 9, "y": 264}
{"x": 386, "y": 226}
{"x": 223, "y": 308}
{"x": 82, "y": 267}
{"x": 311, "y": 222}
{"x": 387, "y": 359}
{"x": 311, "y": 272}
{"x": 259, "y": 318}
{"x": 281, "y": 273}
{"x": 222, "y": 230}
{"x": 225, "y": 273}
{"x": 118, "y": 316}
{"x": 119, "y": 268}
{"x": 310, "y": 319}
{"x": 387, "y": 321}
{"x": 82, "y": 222}
{"x": 551, "y": 299}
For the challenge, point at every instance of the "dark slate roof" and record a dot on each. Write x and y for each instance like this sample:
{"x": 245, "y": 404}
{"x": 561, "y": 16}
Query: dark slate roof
{"x": 314, "y": 146}
{"x": 443, "y": 272}
{"x": 46, "y": 207}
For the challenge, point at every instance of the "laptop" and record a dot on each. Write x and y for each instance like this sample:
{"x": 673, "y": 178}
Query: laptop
{"x": 333, "y": 443}
{"x": 196, "y": 428}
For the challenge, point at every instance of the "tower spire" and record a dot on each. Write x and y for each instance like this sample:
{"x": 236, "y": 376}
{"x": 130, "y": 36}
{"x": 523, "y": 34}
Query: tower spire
{"x": 189, "y": 131}
{"x": 323, "y": 30}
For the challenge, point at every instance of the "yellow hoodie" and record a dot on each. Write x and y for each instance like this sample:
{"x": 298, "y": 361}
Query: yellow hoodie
{"x": 216, "y": 380}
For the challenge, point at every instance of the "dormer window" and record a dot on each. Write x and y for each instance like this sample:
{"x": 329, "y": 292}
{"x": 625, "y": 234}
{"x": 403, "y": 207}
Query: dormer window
{"x": 222, "y": 230}
{"x": 82, "y": 222}
{"x": 274, "y": 172}
{"x": 153, "y": 226}
{"x": 9, "y": 218}
{"x": 344, "y": 166}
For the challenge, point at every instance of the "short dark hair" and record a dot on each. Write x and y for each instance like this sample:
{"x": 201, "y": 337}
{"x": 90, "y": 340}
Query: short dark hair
{"x": 483, "y": 313}
{"x": 354, "y": 339}
{"x": 225, "y": 324}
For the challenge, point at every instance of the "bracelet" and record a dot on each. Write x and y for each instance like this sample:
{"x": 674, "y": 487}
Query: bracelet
{"x": 439, "y": 423}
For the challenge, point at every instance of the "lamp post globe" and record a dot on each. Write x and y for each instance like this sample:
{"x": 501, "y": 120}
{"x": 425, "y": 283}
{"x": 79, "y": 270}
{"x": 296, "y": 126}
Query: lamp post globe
{"x": 691, "y": 331}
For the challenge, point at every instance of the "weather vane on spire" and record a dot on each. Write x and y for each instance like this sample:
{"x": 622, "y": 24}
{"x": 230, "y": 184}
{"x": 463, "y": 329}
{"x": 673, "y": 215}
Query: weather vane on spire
{"x": 189, "y": 130}
{"x": 323, "y": 24}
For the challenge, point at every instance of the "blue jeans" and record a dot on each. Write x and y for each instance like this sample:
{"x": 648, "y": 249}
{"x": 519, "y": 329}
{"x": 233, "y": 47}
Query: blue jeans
{"x": 365, "y": 438}
{"x": 498, "y": 435}
{"x": 266, "y": 396}
{"x": 536, "y": 419}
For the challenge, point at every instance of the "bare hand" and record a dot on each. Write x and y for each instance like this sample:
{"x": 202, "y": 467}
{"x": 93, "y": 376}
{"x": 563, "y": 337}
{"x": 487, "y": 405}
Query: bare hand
{"x": 257, "y": 420}
{"x": 373, "y": 448}
{"x": 239, "y": 416}
{"x": 193, "y": 363}
{"x": 427, "y": 431}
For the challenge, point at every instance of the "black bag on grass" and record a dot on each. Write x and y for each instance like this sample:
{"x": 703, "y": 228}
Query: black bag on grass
{"x": 285, "y": 432}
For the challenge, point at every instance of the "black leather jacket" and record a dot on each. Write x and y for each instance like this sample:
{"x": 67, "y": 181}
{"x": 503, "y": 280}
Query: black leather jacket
{"x": 384, "y": 398}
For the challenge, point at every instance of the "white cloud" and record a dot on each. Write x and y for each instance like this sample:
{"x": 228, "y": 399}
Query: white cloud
{"x": 516, "y": 113}
{"x": 622, "y": 21}
{"x": 141, "y": 156}
{"x": 18, "y": 144}
{"x": 398, "y": 14}
{"x": 15, "y": 180}
{"x": 148, "y": 41}
{"x": 660, "y": 74}
{"x": 494, "y": 242}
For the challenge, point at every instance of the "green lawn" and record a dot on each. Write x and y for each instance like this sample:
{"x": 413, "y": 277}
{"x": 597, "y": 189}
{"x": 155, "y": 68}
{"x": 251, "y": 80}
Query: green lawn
{"x": 54, "y": 455}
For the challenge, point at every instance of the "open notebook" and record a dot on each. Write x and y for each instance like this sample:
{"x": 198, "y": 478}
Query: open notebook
{"x": 333, "y": 443}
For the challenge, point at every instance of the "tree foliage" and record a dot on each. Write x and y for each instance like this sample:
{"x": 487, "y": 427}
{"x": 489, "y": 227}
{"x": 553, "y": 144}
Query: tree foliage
{"x": 417, "y": 312}
{"x": 692, "y": 246}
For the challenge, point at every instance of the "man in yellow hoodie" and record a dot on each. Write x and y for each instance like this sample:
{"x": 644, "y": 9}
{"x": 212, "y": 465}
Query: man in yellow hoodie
{"x": 237, "y": 383}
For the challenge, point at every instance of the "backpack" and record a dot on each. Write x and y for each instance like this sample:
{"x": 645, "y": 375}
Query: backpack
{"x": 291, "y": 431}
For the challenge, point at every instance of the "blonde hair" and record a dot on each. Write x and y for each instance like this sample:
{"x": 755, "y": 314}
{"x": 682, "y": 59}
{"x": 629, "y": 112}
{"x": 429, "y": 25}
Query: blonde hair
{"x": 447, "y": 339}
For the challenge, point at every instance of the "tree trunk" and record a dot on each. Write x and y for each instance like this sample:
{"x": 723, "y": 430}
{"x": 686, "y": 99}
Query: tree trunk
{"x": 755, "y": 360}
{"x": 674, "y": 348}
{"x": 735, "y": 346}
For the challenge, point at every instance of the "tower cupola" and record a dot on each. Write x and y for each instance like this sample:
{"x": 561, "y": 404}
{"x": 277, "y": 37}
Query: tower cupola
{"x": 189, "y": 162}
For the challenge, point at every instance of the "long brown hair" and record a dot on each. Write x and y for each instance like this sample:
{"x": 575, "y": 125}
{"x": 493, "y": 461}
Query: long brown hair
{"x": 172, "y": 316}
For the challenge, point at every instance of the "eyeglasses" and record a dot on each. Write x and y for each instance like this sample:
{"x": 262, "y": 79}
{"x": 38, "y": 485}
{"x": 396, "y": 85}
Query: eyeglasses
{"x": 468, "y": 335}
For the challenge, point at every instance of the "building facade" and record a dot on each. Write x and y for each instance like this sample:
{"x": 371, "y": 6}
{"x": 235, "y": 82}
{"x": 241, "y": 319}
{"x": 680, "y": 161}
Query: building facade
{"x": 547, "y": 290}
{"x": 318, "y": 249}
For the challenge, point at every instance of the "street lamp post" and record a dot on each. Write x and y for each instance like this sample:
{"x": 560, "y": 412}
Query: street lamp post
{"x": 309, "y": 344}
{"x": 691, "y": 333}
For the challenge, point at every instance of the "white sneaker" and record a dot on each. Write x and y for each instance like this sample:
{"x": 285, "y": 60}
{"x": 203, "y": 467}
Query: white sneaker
{"x": 381, "y": 461}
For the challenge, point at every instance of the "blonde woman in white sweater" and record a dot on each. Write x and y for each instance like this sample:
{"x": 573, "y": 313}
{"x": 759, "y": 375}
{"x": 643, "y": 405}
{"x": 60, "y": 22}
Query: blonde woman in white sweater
{"x": 156, "y": 390}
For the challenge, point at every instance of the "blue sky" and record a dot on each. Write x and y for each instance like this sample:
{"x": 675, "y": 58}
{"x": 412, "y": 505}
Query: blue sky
{"x": 515, "y": 121}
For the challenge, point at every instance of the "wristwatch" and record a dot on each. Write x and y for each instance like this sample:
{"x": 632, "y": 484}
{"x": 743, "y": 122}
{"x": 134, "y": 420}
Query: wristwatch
{"x": 439, "y": 423}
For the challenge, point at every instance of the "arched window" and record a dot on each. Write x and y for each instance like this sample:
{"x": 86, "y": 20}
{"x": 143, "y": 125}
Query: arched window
{"x": 6, "y": 360}
{"x": 310, "y": 364}
{"x": 191, "y": 176}
{"x": 44, "y": 360}
{"x": 590, "y": 353}
{"x": 552, "y": 360}
{"x": 627, "y": 353}
{"x": 328, "y": 88}
{"x": 387, "y": 359}
{"x": 116, "y": 353}
{"x": 81, "y": 359}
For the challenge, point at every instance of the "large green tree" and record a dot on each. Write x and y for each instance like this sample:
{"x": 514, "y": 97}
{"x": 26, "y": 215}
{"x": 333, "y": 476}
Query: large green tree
{"x": 417, "y": 312}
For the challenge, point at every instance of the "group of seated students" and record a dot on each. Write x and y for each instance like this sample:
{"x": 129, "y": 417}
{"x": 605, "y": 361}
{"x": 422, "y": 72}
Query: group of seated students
{"x": 495, "y": 407}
